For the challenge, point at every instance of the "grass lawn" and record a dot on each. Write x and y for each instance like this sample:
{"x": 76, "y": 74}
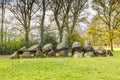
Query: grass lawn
{"x": 98, "y": 68}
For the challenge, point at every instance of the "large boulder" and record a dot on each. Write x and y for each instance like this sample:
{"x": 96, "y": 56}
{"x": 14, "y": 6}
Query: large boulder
{"x": 62, "y": 46}
{"x": 48, "y": 50}
{"x": 48, "y": 47}
{"x": 63, "y": 53}
{"x": 88, "y": 48}
{"x": 39, "y": 53}
{"x": 88, "y": 51}
{"x": 89, "y": 54}
{"x": 21, "y": 50}
{"x": 63, "y": 49}
{"x": 14, "y": 55}
{"x": 100, "y": 51}
{"x": 34, "y": 48}
{"x": 77, "y": 54}
{"x": 76, "y": 46}
{"x": 51, "y": 53}
{"x": 26, "y": 55}
{"x": 109, "y": 53}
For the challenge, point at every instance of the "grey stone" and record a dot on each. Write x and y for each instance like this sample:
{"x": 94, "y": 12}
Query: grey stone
{"x": 51, "y": 53}
{"x": 89, "y": 54}
{"x": 39, "y": 53}
{"x": 100, "y": 51}
{"x": 76, "y": 44}
{"x": 14, "y": 55}
{"x": 109, "y": 53}
{"x": 26, "y": 55}
{"x": 88, "y": 48}
{"x": 48, "y": 47}
{"x": 77, "y": 55}
{"x": 23, "y": 49}
{"x": 62, "y": 46}
{"x": 35, "y": 47}
{"x": 64, "y": 53}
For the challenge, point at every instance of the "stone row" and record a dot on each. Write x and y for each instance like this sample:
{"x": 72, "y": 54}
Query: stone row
{"x": 47, "y": 51}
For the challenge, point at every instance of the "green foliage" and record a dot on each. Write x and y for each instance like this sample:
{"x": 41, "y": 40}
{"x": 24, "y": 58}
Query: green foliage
{"x": 75, "y": 36}
{"x": 9, "y": 47}
{"x": 49, "y": 38}
{"x": 12, "y": 46}
{"x": 29, "y": 44}
{"x": 100, "y": 68}
{"x": 98, "y": 34}
{"x": 108, "y": 11}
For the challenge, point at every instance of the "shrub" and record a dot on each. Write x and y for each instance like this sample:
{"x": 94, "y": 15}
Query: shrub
{"x": 12, "y": 46}
{"x": 50, "y": 38}
{"x": 75, "y": 36}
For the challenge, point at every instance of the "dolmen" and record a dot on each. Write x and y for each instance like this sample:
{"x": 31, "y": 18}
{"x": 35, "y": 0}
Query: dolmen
{"x": 23, "y": 49}
{"x": 109, "y": 53}
{"x": 77, "y": 50}
{"x": 26, "y": 55}
{"x": 88, "y": 51}
{"x": 48, "y": 50}
{"x": 100, "y": 51}
{"x": 63, "y": 49}
{"x": 36, "y": 50}
{"x": 16, "y": 54}
{"x": 23, "y": 52}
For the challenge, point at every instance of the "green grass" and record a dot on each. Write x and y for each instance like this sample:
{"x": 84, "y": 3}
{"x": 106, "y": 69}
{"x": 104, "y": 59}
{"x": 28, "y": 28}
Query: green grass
{"x": 98, "y": 68}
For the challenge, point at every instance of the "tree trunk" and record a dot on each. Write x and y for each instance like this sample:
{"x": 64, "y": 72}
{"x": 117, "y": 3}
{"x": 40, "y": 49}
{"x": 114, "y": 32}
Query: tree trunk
{"x": 94, "y": 42}
{"x": 41, "y": 35}
{"x": 42, "y": 22}
{"x": 2, "y": 24}
{"x": 61, "y": 35}
{"x": 42, "y": 32}
{"x": 26, "y": 38}
{"x": 111, "y": 44}
{"x": 60, "y": 28}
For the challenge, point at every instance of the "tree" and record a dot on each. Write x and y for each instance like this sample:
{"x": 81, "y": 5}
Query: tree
{"x": 66, "y": 14}
{"x": 75, "y": 36}
{"x": 50, "y": 37}
{"x": 73, "y": 18}
{"x": 2, "y": 21}
{"x": 109, "y": 12}
{"x": 42, "y": 4}
{"x": 95, "y": 31}
{"x": 57, "y": 7}
{"x": 23, "y": 12}
{"x": 75, "y": 8}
